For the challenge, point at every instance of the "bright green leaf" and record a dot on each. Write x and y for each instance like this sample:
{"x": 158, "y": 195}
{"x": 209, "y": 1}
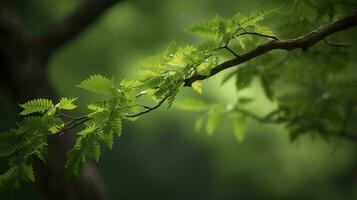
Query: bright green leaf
{"x": 93, "y": 151}
{"x": 239, "y": 126}
{"x": 67, "y": 103}
{"x": 190, "y": 104}
{"x": 36, "y": 105}
{"x": 197, "y": 86}
{"x": 214, "y": 115}
{"x": 199, "y": 124}
{"x": 97, "y": 84}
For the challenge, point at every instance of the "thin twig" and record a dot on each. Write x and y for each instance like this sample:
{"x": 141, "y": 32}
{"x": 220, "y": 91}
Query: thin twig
{"x": 258, "y": 34}
{"x": 66, "y": 116}
{"x": 72, "y": 126}
{"x": 150, "y": 108}
{"x": 231, "y": 51}
{"x": 76, "y": 119}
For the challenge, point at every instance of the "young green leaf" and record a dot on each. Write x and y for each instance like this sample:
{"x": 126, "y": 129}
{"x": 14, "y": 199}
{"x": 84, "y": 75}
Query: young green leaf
{"x": 158, "y": 62}
{"x": 267, "y": 87}
{"x": 197, "y": 86}
{"x": 191, "y": 104}
{"x": 97, "y": 84}
{"x": 199, "y": 124}
{"x": 36, "y": 105}
{"x": 75, "y": 161}
{"x": 67, "y": 103}
{"x": 106, "y": 137}
{"x": 117, "y": 126}
{"x": 93, "y": 150}
{"x": 239, "y": 126}
{"x": 26, "y": 172}
{"x": 214, "y": 115}
{"x": 215, "y": 28}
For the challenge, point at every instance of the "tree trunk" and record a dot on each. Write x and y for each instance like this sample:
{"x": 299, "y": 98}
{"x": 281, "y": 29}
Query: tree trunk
{"x": 23, "y": 76}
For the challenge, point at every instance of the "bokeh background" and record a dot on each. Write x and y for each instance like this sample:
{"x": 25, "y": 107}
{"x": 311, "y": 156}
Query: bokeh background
{"x": 160, "y": 156}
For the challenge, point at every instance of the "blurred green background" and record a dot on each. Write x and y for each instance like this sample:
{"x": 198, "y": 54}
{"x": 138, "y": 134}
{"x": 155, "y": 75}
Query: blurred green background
{"x": 160, "y": 156}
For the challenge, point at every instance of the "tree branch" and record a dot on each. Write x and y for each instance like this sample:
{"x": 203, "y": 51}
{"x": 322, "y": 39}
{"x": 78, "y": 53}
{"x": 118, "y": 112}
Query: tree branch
{"x": 349, "y": 136}
{"x": 303, "y": 42}
{"x": 58, "y": 34}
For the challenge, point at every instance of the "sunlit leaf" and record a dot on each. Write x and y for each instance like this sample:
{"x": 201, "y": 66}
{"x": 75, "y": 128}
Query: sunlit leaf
{"x": 197, "y": 86}
{"x": 214, "y": 115}
{"x": 239, "y": 126}
{"x": 191, "y": 104}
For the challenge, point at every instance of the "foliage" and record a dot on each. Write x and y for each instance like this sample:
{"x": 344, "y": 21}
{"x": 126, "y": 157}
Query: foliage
{"x": 306, "y": 103}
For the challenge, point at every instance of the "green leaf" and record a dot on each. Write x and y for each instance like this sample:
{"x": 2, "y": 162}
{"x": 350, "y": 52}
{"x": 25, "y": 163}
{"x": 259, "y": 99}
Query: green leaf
{"x": 67, "y": 103}
{"x": 171, "y": 50}
{"x": 87, "y": 145}
{"x": 228, "y": 76}
{"x": 240, "y": 41}
{"x": 53, "y": 124}
{"x": 209, "y": 45}
{"x": 7, "y": 141}
{"x": 244, "y": 100}
{"x": 184, "y": 56}
{"x": 263, "y": 30}
{"x": 88, "y": 130}
{"x": 106, "y": 137}
{"x": 75, "y": 161}
{"x": 239, "y": 126}
{"x": 199, "y": 124}
{"x": 191, "y": 104}
{"x": 244, "y": 76}
{"x": 93, "y": 151}
{"x": 214, "y": 115}
{"x": 217, "y": 28}
{"x": 98, "y": 107}
{"x": 205, "y": 67}
{"x": 267, "y": 87}
{"x": 172, "y": 98}
{"x": 130, "y": 84}
{"x": 117, "y": 126}
{"x": 158, "y": 61}
{"x": 197, "y": 86}
{"x": 10, "y": 178}
{"x": 42, "y": 152}
{"x": 36, "y": 105}
{"x": 26, "y": 172}
{"x": 97, "y": 84}
{"x": 254, "y": 18}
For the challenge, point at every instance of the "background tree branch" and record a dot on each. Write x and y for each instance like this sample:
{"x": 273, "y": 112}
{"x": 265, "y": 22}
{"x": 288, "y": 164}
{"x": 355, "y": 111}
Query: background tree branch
{"x": 58, "y": 34}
